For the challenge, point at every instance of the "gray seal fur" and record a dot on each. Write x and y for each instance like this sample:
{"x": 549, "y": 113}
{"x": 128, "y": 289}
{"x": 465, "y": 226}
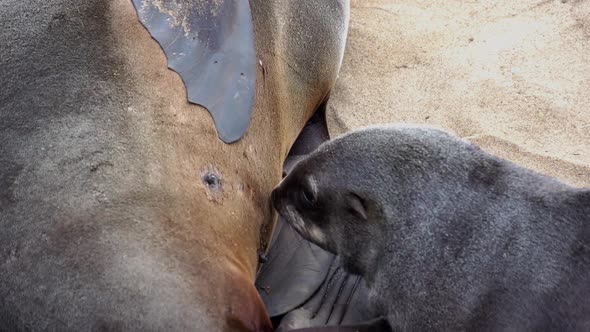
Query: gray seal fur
{"x": 447, "y": 236}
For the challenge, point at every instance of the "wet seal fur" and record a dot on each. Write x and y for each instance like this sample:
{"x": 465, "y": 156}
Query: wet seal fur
{"x": 447, "y": 236}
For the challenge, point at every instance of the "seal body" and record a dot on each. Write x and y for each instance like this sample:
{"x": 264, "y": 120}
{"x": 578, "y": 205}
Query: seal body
{"x": 447, "y": 236}
{"x": 120, "y": 208}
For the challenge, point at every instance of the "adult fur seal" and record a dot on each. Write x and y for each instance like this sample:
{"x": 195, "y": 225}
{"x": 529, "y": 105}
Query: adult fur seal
{"x": 120, "y": 207}
{"x": 447, "y": 236}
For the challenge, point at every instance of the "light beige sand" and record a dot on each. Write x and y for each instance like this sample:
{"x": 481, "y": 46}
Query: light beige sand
{"x": 511, "y": 76}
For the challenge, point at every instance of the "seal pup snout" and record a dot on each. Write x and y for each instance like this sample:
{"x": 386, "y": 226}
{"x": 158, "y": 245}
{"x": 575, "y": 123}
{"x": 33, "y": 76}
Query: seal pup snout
{"x": 302, "y": 202}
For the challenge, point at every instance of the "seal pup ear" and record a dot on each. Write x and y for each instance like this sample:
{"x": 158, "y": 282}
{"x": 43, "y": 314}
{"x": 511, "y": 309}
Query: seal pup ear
{"x": 356, "y": 205}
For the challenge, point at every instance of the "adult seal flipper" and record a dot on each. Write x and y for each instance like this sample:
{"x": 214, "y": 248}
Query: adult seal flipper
{"x": 294, "y": 269}
{"x": 341, "y": 300}
{"x": 374, "y": 325}
{"x": 210, "y": 44}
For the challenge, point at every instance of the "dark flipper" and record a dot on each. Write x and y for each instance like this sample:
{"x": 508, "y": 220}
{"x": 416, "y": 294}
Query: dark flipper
{"x": 295, "y": 268}
{"x": 303, "y": 285}
{"x": 376, "y": 325}
{"x": 313, "y": 134}
{"x": 210, "y": 44}
{"x": 342, "y": 299}
{"x": 294, "y": 271}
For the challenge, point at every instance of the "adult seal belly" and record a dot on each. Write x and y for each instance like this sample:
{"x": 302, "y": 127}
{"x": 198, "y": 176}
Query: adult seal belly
{"x": 120, "y": 207}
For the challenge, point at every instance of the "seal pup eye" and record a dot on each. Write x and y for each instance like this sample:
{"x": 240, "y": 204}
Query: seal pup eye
{"x": 307, "y": 195}
{"x": 308, "y": 191}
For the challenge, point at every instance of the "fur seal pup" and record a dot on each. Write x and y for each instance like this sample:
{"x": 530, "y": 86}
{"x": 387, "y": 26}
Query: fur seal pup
{"x": 447, "y": 236}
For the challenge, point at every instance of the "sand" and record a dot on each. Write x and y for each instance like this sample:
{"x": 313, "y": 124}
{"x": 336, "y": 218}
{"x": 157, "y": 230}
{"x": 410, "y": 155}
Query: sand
{"x": 510, "y": 76}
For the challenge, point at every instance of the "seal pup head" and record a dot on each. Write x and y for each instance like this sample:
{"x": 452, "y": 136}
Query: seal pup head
{"x": 359, "y": 192}
{"x": 320, "y": 210}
